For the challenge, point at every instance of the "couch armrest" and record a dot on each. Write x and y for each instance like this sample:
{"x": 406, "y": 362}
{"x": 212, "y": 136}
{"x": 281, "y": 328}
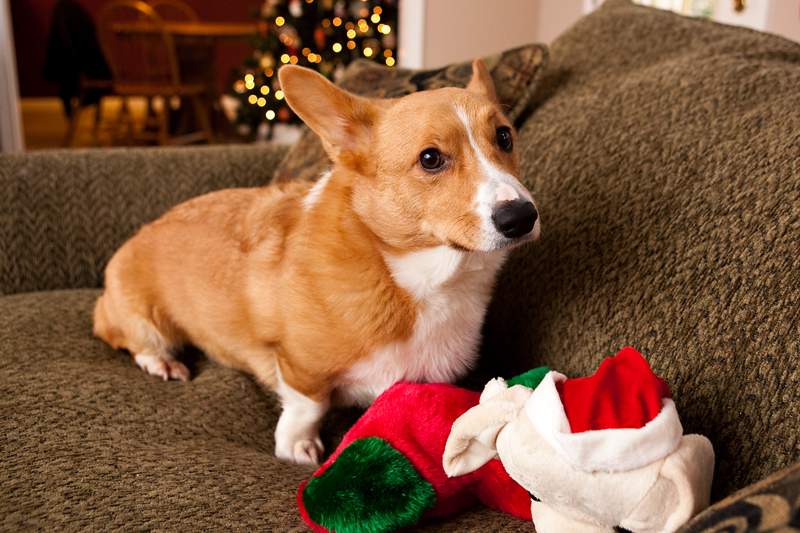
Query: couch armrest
{"x": 65, "y": 212}
{"x": 771, "y": 504}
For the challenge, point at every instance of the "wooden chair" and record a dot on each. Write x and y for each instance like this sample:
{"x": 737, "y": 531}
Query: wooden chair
{"x": 174, "y": 10}
{"x": 141, "y": 54}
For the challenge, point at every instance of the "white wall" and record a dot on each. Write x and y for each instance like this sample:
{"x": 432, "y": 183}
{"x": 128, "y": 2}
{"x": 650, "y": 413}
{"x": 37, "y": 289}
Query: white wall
{"x": 10, "y": 120}
{"x": 458, "y": 30}
{"x": 434, "y": 33}
{"x": 784, "y": 19}
{"x": 555, "y": 16}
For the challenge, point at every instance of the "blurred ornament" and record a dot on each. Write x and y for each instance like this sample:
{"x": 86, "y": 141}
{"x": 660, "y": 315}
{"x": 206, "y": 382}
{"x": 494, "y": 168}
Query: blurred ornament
{"x": 296, "y": 8}
{"x": 267, "y": 61}
{"x": 319, "y": 38}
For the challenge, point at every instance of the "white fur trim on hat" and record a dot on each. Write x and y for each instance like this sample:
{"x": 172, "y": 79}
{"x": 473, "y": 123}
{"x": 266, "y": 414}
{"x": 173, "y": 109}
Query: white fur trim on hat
{"x": 608, "y": 450}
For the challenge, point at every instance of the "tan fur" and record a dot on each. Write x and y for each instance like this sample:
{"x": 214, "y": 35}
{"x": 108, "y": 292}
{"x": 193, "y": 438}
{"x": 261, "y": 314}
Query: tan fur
{"x": 203, "y": 250}
{"x": 256, "y": 277}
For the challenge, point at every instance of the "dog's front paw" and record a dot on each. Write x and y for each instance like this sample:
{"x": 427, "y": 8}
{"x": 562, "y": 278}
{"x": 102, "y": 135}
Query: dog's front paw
{"x": 301, "y": 451}
{"x": 165, "y": 369}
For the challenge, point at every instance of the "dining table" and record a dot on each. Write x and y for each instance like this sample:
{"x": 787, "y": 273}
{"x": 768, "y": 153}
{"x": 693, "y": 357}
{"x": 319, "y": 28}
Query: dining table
{"x": 195, "y": 42}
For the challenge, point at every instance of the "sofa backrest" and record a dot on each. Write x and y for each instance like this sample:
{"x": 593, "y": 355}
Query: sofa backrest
{"x": 664, "y": 154}
{"x": 63, "y": 213}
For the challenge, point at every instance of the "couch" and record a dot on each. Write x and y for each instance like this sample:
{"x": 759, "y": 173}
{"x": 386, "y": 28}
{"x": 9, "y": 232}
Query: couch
{"x": 664, "y": 154}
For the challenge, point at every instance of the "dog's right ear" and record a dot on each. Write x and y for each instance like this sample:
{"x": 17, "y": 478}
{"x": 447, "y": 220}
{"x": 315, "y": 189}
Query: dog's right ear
{"x": 343, "y": 120}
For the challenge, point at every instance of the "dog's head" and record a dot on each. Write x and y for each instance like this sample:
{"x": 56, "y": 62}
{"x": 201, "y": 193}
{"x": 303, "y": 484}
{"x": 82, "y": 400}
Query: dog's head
{"x": 433, "y": 168}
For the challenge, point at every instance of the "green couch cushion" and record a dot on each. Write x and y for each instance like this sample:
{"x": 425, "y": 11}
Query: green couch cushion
{"x": 514, "y": 72}
{"x": 664, "y": 154}
{"x": 65, "y": 212}
{"x": 89, "y": 442}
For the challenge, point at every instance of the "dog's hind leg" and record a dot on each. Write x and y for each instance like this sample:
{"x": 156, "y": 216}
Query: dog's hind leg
{"x": 150, "y": 348}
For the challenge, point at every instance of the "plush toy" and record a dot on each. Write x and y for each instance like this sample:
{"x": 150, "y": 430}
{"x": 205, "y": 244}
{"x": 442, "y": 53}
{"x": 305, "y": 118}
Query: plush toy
{"x": 387, "y": 473}
{"x": 596, "y": 453}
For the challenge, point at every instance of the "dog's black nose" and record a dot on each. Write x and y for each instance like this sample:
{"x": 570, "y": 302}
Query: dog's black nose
{"x": 515, "y": 219}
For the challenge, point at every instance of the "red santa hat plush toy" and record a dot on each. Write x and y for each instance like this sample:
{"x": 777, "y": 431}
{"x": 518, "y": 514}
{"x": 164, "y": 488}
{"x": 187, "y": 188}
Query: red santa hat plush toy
{"x": 619, "y": 419}
{"x": 595, "y": 453}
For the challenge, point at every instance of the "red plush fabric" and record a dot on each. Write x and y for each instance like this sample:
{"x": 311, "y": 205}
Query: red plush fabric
{"x": 623, "y": 393}
{"x": 416, "y": 420}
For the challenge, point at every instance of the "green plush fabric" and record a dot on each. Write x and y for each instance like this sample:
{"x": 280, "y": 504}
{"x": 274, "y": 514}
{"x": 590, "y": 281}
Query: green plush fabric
{"x": 396, "y": 495}
{"x": 664, "y": 154}
{"x": 530, "y": 379}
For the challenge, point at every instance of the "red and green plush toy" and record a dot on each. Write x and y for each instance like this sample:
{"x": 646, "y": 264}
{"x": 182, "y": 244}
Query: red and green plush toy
{"x": 387, "y": 473}
{"x": 584, "y": 455}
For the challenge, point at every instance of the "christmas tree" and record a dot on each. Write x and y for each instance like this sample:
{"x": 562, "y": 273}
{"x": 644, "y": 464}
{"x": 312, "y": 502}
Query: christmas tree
{"x": 325, "y": 35}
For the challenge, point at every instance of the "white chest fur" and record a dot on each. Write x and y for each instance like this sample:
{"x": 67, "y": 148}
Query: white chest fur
{"x": 452, "y": 289}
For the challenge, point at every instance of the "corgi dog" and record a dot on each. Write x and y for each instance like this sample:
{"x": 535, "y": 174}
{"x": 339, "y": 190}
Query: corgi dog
{"x": 329, "y": 293}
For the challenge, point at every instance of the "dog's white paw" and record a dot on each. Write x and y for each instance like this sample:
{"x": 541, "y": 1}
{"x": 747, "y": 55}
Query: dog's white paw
{"x": 303, "y": 451}
{"x": 163, "y": 368}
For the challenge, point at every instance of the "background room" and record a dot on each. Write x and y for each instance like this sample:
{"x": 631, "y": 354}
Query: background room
{"x": 60, "y": 90}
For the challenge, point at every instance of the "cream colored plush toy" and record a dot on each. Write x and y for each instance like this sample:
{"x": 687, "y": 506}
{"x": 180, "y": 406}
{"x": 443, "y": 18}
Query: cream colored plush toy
{"x": 594, "y": 453}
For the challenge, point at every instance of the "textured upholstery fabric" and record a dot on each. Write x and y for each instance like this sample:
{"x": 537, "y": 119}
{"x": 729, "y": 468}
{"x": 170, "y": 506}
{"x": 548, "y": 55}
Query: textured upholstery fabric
{"x": 664, "y": 154}
{"x": 90, "y": 443}
{"x": 65, "y": 212}
{"x": 772, "y": 504}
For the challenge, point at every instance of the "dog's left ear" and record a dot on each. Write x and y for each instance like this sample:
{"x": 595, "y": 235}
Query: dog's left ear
{"x": 481, "y": 81}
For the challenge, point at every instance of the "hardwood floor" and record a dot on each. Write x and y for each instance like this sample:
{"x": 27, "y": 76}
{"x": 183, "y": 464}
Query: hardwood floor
{"x": 45, "y": 125}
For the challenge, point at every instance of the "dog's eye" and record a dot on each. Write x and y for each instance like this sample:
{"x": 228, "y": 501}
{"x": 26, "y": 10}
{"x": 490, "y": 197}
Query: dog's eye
{"x": 431, "y": 159}
{"x": 504, "y": 139}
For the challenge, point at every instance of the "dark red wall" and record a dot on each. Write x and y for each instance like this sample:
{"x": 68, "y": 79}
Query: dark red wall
{"x": 32, "y": 20}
